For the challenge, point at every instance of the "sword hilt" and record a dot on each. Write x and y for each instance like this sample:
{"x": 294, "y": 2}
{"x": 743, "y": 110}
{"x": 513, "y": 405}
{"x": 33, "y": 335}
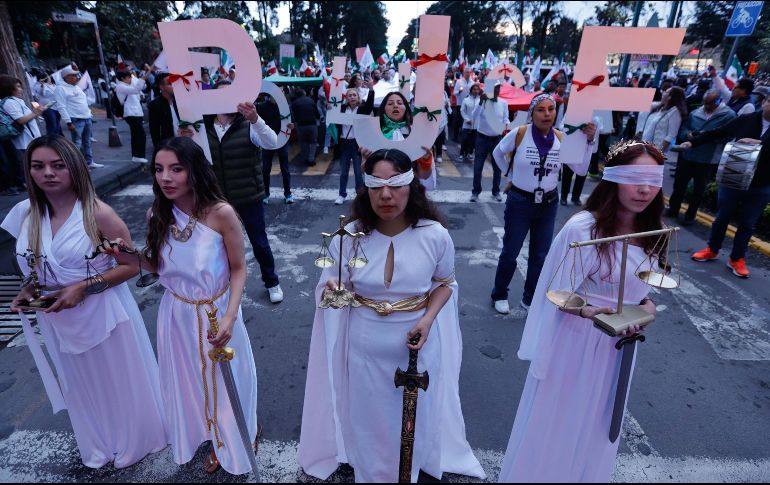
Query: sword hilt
{"x": 629, "y": 340}
{"x": 411, "y": 379}
{"x": 222, "y": 354}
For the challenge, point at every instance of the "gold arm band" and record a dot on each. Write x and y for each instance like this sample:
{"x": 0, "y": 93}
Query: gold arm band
{"x": 385, "y": 308}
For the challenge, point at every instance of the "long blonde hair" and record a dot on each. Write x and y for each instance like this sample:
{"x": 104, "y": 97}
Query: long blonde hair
{"x": 81, "y": 185}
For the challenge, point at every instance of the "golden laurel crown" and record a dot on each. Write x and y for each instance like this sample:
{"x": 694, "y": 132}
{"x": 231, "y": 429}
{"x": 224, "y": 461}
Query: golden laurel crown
{"x": 620, "y": 147}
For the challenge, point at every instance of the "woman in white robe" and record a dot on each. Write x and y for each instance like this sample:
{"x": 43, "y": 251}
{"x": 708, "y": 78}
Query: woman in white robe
{"x": 195, "y": 243}
{"x": 352, "y": 411}
{"x": 562, "y": 424}
{"x": 107, "y": 372}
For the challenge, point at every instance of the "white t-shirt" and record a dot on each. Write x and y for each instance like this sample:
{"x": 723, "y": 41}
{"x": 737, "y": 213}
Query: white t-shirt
{"x": 130, "y": 95}
{"x": 16, "y": 108}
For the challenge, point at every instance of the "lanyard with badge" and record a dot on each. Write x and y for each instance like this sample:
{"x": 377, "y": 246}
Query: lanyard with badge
{"x": 539, "y": 192}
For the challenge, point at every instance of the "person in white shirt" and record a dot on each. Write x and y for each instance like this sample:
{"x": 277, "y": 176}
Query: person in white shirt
{"x": 461, "y": 90}
{"x": 468, "y": 138}
{"x": 73, "y": 107}
{"x": 11, "y": 173}
{"x": 489, "y": 129}
{"x": 129, "y": 93}
{"x": 45, "y": 94}
{"x": 349, "y": 146}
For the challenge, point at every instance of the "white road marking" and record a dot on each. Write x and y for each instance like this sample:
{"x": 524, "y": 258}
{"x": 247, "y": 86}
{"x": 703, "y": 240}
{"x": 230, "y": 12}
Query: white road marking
{"x": 300, "y": 193}
{"x": 52, "y": 456}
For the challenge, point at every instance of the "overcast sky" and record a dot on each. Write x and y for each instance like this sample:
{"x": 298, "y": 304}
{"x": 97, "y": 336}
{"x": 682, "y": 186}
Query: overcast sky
{"x": 401, "y": 13}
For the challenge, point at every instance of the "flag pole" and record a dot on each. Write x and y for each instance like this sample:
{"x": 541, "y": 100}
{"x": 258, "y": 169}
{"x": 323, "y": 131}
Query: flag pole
{"x": 730, "y": 58}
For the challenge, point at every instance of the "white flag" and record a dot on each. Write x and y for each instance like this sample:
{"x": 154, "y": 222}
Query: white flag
{"x": 367, "y": 60}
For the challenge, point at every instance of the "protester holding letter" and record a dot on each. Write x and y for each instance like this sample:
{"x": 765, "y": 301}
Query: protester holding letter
{"x": 529, "y": 157}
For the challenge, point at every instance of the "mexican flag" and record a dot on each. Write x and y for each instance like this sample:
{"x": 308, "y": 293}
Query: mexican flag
{"x": 734, "y": 73}
{"x": 400, "y": 56}
{"x": 272, "y": 69}
{"x": 384, "y": 58}
{"x": 367, "y": 60}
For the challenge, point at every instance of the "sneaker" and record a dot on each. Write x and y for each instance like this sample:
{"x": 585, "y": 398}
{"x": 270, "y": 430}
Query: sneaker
{"x": 474, "y": 197}
{"x": 95, "y": 165}
{"x": 339, "y": 200}
{"x": 139, "y": 160}
{"x": 501, "y": 306}
{"x": 577, "y": 202}
{"x": 276, "y": 294}
{"x": 266, "y": 200}
{"x": 563, "y": 202}
{"x": 326, "y": 150}
{"x": 289, "y": 199}
{"x": 460, "y": 159}
{"x": 93, "y": 140}
{"x": 497, "y": 197}
{"x": 439, "y": 160}
{"x": 738, "y": 267}
{"x": 524, "y": 305}
{"x": 705, "y": 255}
{"x": 443, "y": 147}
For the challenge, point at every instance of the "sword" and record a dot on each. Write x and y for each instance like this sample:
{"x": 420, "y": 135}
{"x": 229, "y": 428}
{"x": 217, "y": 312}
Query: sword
{"x": 411, "y": 380}
{"x": 628, "y": 346}
{"x": 223, "y": 356}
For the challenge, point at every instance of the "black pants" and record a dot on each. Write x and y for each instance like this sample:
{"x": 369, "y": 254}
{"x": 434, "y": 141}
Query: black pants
{"x": 566, "y": 181}
{"x": 11, "y": 171}
{"x": 438, "y": 151}
{"x": 138, "y": 137}
{"x": 700, "y": 174}
{"x": 253, "y": 217}
{"x": 455, "y": 123}
{"x": 267, "y": 167}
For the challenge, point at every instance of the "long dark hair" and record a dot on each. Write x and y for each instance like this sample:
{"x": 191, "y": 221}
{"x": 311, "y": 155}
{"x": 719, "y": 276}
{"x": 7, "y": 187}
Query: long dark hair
{"x": 417, "y": 207}
{"x": 407, "y": 109}
{"x": 603, "y": 204}
{"x": 676, "y": 99}
{"x": 201, "y": 180}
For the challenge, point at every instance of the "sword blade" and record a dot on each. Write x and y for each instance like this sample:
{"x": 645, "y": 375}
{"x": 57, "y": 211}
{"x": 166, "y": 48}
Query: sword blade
{"x": 240, "y": 418}
{"x": 624, "y": 377}
{"x": 407, "y": 435}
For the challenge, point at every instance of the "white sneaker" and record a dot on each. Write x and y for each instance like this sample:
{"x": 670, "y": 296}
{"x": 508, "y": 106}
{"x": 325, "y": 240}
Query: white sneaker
{"x": 339, "y": 200}
{"x": 502, "y": 307}
{"x": 96, "y": 165}
{"x": 139, "y": 160}
{"x": 326, "y": 150}
{"x": 439, "y": 160}
{"x": 276, "y": 294}
{"x": 474, "y": 198}
{"x": 524, "y": 305}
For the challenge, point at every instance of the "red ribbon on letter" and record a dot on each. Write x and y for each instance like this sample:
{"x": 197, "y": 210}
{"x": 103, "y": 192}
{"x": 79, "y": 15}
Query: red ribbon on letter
{"x": 172, "y": 78}
{"x": 338, "y": 80}
{"x": 506, "y": 70}
{"x": 424, "y": 59}
{"x": 596, "y": 81}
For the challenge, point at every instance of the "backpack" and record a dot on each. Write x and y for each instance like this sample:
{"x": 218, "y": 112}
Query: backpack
{"x": 115, "y": 105}
{"x": 9, "y": 128}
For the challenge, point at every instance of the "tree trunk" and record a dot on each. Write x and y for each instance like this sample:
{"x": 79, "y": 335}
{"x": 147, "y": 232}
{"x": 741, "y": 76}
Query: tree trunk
{"x": 10, "y": 59}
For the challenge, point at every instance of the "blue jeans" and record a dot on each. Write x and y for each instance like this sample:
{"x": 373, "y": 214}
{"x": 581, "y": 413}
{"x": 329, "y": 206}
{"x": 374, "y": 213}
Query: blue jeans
{"x": 81, "y": 137}
{"x": 52, "y": 122}
{"x": 350, "y": 155}
{"x": 752, "y": 202}
{"x": 267, "y": 166}
{"x": 484, "y": 146}
{"x": 523, "y": 216}
{"x": 253, "y": 217}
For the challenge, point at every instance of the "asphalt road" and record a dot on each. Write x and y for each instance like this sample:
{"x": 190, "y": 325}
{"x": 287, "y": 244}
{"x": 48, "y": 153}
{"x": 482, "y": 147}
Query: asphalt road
{"x": 699, "y": 407}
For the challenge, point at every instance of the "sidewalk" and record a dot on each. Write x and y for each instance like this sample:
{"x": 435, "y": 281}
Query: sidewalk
{"x": 118, "y": 172}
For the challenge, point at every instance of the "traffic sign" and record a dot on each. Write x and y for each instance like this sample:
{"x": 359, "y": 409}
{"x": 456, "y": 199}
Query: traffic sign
{"x": 66, "y": 17}
{"x": 744, "y": 19}
{"x": 86, "y": 16}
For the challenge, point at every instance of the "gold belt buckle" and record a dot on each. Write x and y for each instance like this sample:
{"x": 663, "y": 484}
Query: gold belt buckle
{"x": 384, "y": 308}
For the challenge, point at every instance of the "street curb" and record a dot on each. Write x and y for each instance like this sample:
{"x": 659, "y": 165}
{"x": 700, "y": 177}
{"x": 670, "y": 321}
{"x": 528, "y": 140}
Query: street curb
{"x": 708, "y": 220}
{"x": 120, "y": 178}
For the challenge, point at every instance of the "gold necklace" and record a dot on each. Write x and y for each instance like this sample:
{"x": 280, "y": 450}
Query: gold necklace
{"x": 185, "y": 233}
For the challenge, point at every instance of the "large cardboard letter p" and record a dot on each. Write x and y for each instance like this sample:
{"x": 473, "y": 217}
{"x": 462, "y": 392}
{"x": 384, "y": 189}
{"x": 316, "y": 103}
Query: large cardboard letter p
{"x": 178, "y": 37}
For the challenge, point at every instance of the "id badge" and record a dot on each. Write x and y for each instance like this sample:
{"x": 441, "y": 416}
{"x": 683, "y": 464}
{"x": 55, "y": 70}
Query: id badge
{"x": 539, "y": 195}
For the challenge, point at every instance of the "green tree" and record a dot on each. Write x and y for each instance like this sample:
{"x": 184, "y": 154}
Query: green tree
{"x": 480, "y": 24}
{"x": 614, "y": 13}
{"x": 365, "y": 23}
{"x": 130, "y": 28}
{"x": 546, "y": 15}
{"x": 31, "y": 22}
{"x": 564, "y": 38}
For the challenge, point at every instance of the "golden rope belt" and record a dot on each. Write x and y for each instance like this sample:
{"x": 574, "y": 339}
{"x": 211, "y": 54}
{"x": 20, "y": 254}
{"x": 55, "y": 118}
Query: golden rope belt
{"x": 385, "y": 308}
{"x": 211, "y": 313}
